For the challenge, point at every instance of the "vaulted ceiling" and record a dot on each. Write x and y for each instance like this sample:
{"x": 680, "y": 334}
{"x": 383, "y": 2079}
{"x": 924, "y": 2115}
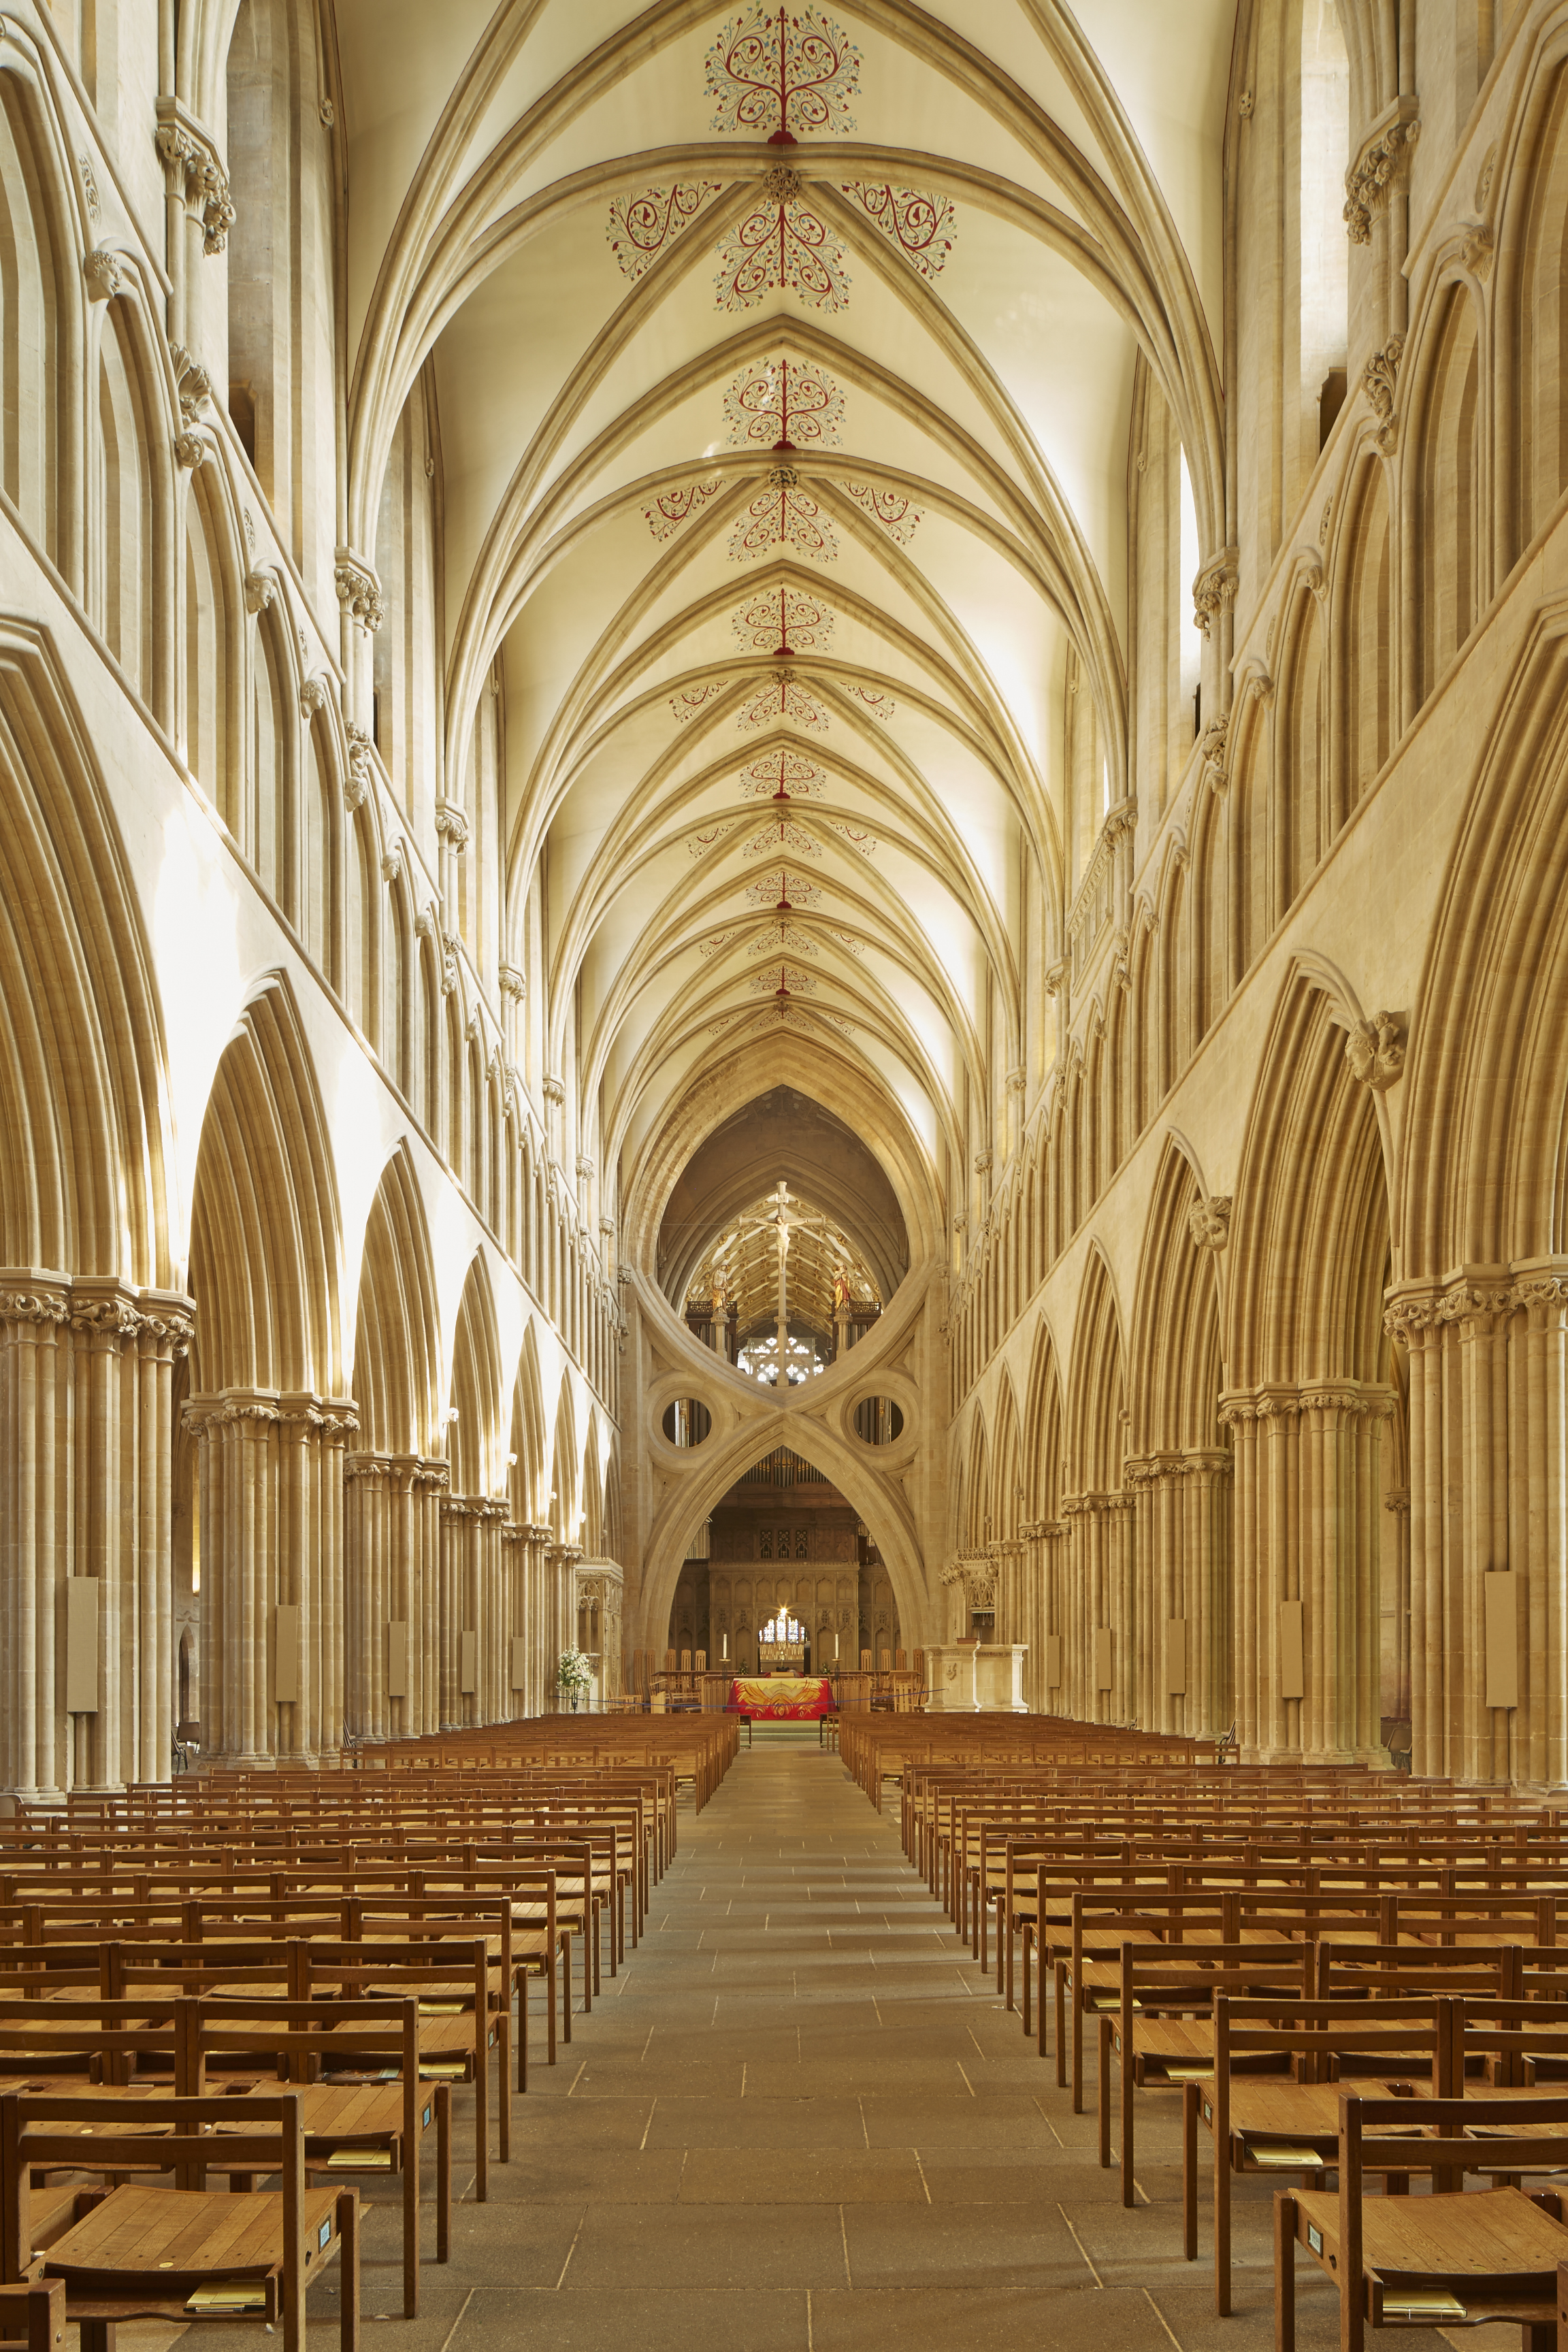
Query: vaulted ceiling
{"x": 783, "y": 366}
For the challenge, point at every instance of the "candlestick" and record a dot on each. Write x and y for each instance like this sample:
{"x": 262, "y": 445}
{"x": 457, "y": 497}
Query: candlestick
{"x": 726, "y": 1646}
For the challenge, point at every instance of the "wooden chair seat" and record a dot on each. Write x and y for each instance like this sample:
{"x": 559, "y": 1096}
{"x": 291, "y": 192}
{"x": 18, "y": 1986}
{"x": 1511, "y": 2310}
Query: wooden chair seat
{"x": 143, "y": 2234}
{"x": 1494, "y": 2251}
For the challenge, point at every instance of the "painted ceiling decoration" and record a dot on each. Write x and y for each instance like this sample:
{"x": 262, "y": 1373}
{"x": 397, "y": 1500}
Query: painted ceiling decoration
{"x": 786, "y": 839}
{"x": 640, "y": 227}
{"x": 783, "y": 246}
{"x": 786, "y": 700}
{"x": 785, "y": 515}
{"x": 795, "y": 889}
{"x": 782, "y": 621}
{"x": 955, "y": 246}
{"x": 783, "y": 76}
{"x": 922, "y": 225}
{"x": 784, "y": 405}
{"x": 671, "y": 508}
{"x": 784, "y": 774}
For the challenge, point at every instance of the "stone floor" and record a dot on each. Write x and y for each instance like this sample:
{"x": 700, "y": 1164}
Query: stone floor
{"x": 800, "y": 2121}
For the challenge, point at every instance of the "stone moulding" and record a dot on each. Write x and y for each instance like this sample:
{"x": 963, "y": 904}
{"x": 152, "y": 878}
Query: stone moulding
{"x": 1385, "y": 156}
{"x": 194, "y": 172}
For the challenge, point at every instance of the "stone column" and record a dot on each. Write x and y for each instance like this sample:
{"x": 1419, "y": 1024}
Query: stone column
{"x": 1306, "y": 1523}
{"x": 272, "y": 1538}
{"x": 471, "y": 1602}
{"x": 1488, "y": 1423}
{"x": 370, "y": 1508}
{"x": 559, "y": 1609}
{"x": 35, "y": 1526}
{"x": 1396, "y": 1576}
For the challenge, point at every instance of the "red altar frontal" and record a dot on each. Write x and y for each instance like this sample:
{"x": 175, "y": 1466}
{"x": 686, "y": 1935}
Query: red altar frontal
{"x": 774, "y": 1698}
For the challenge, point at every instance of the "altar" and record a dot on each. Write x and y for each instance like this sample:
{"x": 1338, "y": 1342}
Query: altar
{"x": 778, "y": 1698}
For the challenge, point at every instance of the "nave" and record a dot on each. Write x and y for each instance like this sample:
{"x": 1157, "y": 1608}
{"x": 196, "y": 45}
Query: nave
{"x": 801, "y": 2120}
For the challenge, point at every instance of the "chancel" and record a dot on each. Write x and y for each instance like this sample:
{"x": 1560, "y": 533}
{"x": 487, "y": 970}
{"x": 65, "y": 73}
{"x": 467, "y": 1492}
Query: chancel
{"x": 784, "y": 1153}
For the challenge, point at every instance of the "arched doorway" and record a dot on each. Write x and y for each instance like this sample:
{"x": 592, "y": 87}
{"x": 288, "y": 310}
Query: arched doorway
{"x": 784, "y": 1536}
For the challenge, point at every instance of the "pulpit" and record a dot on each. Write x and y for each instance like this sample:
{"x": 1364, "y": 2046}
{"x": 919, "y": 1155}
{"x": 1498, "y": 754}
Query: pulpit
{"x": 976, "y": 1678}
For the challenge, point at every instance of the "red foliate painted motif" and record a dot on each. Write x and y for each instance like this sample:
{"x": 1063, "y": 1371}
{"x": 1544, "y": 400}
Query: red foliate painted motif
{"x": 880, "y": 706}
{"x": 783, "y": 621}
{"x": 783, "y": 887}
{"x": 693, "y": 699}
{"x": 783, "y": 515}
{"x": 701, "y": 843}
{"x": 783, "y": 939}
{"x": 784, "y": 699}
{"x": 864, "y": 842}
{"x": 716, "y": 942}
{"x": 898, "y": 515}
{"x": 782, "y": 75}
{"x": 846, "y": 939}
{"x": 641, "y": 227}
{"x": 782, "y": 247}
{"x": 782, "y": 840}
{"x": 784, "y": 404}
{"x": 671, "y": 509}
{"x": 787, "y": 976}
{"x": 921, "y": 224}
{"x": 783, "y": 775}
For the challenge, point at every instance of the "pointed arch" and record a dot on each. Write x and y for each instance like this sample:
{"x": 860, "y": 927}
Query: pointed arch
{"x": 530, "y": 1445}
{"x": 266, "y": 1238}
{"x": 398, "y": 1347}
{"x": 564, "y": 1467}
{"x": 474, "y": 1445}
{"x": 84, "y": 1143}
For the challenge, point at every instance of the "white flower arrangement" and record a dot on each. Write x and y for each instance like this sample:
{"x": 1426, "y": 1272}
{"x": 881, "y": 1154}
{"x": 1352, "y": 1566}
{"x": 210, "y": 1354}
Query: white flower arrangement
{"x": 574, "y": 1674}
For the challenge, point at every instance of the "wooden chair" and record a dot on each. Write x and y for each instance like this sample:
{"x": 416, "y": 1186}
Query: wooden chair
{"x": 354, "y": 2119}
{"x": 33, "y": 2315}
{"x": 1442, "y": 2260}
{"x": 181, "y": 2252}
{"x": 1287, "y": 2119}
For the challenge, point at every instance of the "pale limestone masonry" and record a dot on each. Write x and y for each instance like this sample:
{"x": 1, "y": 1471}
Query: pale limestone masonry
{"x": 1168, "y": 794}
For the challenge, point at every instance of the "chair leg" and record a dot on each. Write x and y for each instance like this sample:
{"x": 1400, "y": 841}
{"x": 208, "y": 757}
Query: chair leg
{"x": 503, "y": 2081}
{"x": 1129, "y": 2091}
{"x": 1190, "y": 2172}
{"x": 1103, "y": 2088}
{"x": 443, "y": 2172}
{"x": 1284, "y": 2272}
{"x": 348, "y": 2261}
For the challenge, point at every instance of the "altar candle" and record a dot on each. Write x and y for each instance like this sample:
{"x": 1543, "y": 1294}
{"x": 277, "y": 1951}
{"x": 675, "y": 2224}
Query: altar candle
{"x": 836, "y": 1649}
{"x": 726, "y": 1651}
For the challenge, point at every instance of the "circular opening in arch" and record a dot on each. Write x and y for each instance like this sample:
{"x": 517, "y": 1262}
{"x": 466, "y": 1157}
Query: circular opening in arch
{"x": 687, "y": 1422}
{"x": 877, "y": 1421}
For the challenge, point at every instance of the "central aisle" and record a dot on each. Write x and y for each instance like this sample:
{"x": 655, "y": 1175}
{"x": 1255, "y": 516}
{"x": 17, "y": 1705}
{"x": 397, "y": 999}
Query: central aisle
{"x": 800, "y": 2121}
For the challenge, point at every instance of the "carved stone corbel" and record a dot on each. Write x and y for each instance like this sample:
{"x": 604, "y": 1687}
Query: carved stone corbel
{"x": 359, "y": 591}
{"x": 1384, "y": 157}
{"x": 356, "y": 783}
{"x": 260, "y": 587}
{"x": 1214, "y": 588}
{"x": 1375, "y": 1051}
{"x": 193, "y": 173}
{"x": 1380, "y": 382}
{"x": 1208, "y": 1222}
{"x": 1213, "y": 752}
{"x": 103, "y": 271}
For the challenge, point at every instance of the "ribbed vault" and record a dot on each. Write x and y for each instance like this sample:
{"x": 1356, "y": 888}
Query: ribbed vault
{"x": 783, "y": 480}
